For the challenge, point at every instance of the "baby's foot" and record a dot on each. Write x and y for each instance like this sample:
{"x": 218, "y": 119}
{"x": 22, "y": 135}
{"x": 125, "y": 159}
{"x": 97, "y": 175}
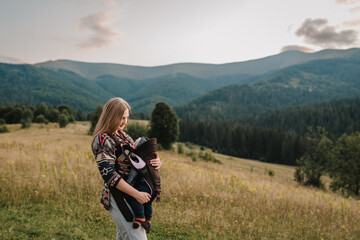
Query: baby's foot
{"x": 138, "y": 222}
{"x": 146, "y": 225}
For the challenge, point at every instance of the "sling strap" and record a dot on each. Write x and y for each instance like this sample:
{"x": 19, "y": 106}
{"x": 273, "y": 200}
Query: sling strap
{"x": 119, "y": 197}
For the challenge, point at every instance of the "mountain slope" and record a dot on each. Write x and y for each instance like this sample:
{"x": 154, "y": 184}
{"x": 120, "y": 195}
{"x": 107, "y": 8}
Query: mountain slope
{"x": 315, "y": 81}
{"x": 29, "y": 84}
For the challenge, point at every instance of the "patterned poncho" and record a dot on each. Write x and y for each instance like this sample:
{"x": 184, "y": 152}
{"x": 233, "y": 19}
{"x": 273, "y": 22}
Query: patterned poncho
{"x": 111, "y": 169}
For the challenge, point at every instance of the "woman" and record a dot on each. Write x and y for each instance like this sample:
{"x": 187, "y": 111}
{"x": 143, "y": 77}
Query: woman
{"x": 107, "y": 135}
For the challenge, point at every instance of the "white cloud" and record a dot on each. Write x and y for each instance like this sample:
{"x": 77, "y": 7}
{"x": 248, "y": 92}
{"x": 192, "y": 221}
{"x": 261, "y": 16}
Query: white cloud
{"x": 317, "y": 32}
{"x": 102, "y": 34}
{"x": 99, "y": 24}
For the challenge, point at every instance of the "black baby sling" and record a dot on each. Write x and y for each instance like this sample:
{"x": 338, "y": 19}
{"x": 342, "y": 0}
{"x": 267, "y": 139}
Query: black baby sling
{"x": 141, "y": 169}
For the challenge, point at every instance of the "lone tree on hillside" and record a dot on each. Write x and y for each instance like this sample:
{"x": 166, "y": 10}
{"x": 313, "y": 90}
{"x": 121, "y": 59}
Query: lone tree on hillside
{"x": 164, "y": 125}
{"x": 312, "y": 165}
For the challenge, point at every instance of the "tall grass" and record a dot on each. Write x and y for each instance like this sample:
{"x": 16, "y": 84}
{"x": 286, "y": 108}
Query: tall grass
{"x": 50, "y": 188}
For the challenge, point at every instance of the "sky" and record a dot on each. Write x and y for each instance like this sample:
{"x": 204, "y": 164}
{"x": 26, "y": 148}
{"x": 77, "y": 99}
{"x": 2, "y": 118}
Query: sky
{"x": 161, "y": 32}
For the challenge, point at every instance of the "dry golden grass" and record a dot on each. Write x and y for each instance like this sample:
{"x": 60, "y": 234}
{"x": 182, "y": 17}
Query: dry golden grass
{"x": 48, "y": 166}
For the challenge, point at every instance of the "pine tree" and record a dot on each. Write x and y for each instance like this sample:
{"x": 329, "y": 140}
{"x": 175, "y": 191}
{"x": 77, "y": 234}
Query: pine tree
{"x": 164, "y": 125}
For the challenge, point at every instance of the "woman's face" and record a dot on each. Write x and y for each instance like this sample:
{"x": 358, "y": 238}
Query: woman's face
{"x": 124, "y": 120}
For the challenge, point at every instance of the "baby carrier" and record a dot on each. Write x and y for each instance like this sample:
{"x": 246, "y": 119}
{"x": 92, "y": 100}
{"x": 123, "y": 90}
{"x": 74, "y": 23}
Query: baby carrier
{"x": 138, "y": 156}
{"x": 141, "y": 168}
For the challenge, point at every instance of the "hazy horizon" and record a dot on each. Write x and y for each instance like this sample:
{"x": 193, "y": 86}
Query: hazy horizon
{"x": 157, "y": 33}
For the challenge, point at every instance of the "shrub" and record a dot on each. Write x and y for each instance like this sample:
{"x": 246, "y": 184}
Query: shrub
{"x": 63, "y": 120}
{"x": 180, "y": 148}
{"x": 189, "y": 145}
{"x": 25, "y": 123}
{"x": 208, "y": 156}
{"x": 52, "y": 115}
{"x": 41, "y": 119}
{"x": 299, "y": 175}
{"x": 270, "y": 172}
{"x": 4, "y": 129}
{"x": 192, "y": 155}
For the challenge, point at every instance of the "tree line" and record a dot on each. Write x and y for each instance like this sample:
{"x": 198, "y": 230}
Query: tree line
{"x": 242, "y": 140}
{"x": 41, "y": 113}
{"x": 44, "y": 113}
{"x": 336, "y": 116}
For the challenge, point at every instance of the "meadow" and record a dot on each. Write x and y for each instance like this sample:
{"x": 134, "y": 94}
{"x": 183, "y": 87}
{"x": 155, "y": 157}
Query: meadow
{"x": 50, "y": 189}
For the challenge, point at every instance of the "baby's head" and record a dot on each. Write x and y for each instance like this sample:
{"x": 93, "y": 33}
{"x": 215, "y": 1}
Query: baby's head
{"x": 140, "y": 141}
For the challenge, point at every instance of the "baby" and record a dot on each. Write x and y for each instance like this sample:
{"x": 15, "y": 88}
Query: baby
{"x": 144, "y": 178}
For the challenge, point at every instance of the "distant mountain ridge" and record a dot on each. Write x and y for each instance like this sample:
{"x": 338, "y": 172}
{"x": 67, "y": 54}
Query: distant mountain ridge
{"x": 84, "y": 85}
{"x": 199, "y": 70}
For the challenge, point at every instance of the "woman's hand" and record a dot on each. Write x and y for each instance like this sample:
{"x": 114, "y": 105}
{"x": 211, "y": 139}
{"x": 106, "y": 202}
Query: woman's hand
{"x": 156, "y": 162}
{"x": 142, "y": 197}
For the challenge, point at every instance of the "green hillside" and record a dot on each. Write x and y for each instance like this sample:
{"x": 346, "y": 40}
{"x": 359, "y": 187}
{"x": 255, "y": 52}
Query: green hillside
{"x": 31, "y": 85}
{"x": 60, "y": 86}
{"x": 308, "y": 83}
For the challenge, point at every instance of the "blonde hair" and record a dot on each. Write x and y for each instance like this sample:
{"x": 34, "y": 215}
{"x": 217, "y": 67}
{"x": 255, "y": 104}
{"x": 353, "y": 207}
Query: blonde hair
{"x": 111, "y": 116}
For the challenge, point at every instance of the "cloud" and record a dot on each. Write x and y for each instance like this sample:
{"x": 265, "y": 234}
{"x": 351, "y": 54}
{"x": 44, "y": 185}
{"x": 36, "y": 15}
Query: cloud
{"x": 102, "y": 34}
{"x": 346, "y": 1}
{"x": 318, "y": 33}
{"x": 352, "y": 23}
{"x": 296, "y": 47}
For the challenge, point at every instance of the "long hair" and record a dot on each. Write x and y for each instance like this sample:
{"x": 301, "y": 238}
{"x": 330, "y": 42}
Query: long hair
{"x": 111, "y": 116}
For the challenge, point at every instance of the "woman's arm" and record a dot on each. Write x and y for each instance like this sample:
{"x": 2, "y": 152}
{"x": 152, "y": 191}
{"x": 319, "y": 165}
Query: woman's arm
{"x": 141, "y": 197}
{"x": 102, "y": 148}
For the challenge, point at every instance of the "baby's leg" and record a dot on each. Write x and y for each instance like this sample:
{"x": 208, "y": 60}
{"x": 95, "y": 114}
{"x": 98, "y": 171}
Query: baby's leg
{"x": 148, "y": 210}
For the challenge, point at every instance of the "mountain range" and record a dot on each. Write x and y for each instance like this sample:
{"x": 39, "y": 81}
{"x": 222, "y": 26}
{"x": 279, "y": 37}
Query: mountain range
{"x": 196, "y": 90}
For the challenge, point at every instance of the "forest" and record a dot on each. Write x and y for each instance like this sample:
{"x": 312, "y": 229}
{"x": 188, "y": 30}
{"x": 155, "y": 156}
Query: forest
{"x": 274, "y": 136}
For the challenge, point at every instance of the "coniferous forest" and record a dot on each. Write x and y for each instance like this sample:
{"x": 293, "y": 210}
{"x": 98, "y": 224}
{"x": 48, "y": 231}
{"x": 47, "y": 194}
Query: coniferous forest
{"x": 242, "y": 140}
{"x": 275, "y": 136}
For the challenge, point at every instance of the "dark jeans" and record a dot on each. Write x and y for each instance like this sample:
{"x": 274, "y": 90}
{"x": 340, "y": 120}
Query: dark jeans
{"x": 141, "y": 210}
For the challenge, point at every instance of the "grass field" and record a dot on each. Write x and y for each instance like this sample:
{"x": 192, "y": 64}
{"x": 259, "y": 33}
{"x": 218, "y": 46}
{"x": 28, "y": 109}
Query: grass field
{"x": 50, "y": 189}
